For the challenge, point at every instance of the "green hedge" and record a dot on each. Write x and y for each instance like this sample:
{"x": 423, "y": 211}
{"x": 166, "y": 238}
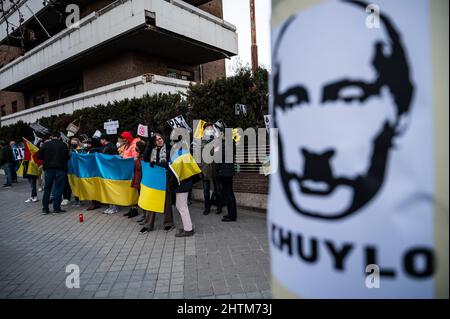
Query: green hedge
{"x": 210, "y": 101}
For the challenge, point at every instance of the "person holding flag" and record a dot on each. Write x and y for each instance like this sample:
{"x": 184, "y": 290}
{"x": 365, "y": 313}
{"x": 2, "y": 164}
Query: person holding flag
{"x": 157, "y": 154}
{"x": 29, "y": 168}
{"x": 184, "y": 173}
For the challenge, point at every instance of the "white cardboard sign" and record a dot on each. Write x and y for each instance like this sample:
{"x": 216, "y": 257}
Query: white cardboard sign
{"x": 179, "y": 122}
{"x": 142, "y": 130}
{"x": 352, "y": 193}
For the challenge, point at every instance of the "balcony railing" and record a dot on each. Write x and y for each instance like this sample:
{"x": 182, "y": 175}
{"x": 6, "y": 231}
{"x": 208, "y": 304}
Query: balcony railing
{"x": 116, "y": 21}
{"x": 131, "y": 88}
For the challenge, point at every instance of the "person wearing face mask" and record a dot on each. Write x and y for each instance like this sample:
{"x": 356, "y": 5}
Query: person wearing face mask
{"x": 157, "y": 152}
{"x": 120, "y": 145}
{"x": 129, "y": 150}
{"x": 209, "y": 174}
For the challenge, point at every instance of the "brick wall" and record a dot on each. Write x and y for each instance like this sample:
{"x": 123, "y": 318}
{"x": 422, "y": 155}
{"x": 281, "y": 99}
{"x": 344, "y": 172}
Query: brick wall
{"x": 251, "y": 183}
{"x": 7, "y": 54}
{"x": 114, "y": 70}
{"x": 216, "y": 69}
{"x": 250, "y": 189}
{"x": 126, "y": 66}
{"x": 213, "y": 70}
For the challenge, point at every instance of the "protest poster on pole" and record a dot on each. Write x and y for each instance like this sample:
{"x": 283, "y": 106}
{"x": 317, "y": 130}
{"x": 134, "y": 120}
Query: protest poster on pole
{"x": 142, "y": 130}
{"x": 111, "y": 127}
{"x": 179, "y": 122}
{"x": 64, "y": 138}
{"x": 72, "y": 129}
{"x": 357, "y": 207}
{"x": 240, "y": 109}
{"x": 97, "y": 134}
{"x": 37, "y": 139}
{"x": 38, "y": 128}
{"x": 18, "y": 153}
{"x": 268, "y": 122}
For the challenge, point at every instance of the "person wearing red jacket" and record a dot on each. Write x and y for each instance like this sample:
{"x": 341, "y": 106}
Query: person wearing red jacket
{"x": 129, "y": 149}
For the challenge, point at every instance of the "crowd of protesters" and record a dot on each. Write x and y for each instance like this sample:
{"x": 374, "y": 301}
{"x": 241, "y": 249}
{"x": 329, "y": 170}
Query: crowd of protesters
{"x": 53, "y": 156}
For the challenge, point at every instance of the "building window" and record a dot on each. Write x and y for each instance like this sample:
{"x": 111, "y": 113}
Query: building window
{"x": 180, "y": 74}
{"x": 3, "y": 109}
{"x": 39, "y": 99}
{"x": 69, "y": 90}
{"x": 14, "y": 106}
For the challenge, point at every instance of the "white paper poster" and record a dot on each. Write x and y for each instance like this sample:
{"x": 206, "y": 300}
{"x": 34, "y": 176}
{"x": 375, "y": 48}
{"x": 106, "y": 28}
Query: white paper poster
{"x": 39, "y": 128}
{"x": 37, "y": 139}
{"x": 97, "y": 134}
{"x": 180, "y": 122}
{"x": 268, "y": 122}
{"x": 142, "y": 130}
{"x": 354, "y": 190}
{"x": 111, "y": 127}
{"x": 18, "y": 153}
{"x": 240, "y": 109}
{"x": 64, "y": 138}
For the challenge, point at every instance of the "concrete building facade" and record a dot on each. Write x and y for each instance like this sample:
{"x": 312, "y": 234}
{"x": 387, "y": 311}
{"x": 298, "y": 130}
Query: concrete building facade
{"x": 118, "y": 49}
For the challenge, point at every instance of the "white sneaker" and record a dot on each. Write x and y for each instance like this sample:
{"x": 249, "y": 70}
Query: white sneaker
{"x": 65, "y": 202}
{"x": 107, "y": 211}
{"x": 29, "y": 200}
{"x": 34, "y": 199}
{"x": 114, "y": 210}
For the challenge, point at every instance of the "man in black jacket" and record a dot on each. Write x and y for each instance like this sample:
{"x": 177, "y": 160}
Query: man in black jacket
{"x": 6, "y": 159}
{"x": 225, "y": 171}
{"x": 55, "y": 155}
{"x": 108, "y": 147}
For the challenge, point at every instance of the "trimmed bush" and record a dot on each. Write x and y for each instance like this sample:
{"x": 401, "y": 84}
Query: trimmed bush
{"x": 209, "y": 101}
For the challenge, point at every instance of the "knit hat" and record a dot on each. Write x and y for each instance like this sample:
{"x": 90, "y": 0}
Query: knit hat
{"x": 127, "y": 136}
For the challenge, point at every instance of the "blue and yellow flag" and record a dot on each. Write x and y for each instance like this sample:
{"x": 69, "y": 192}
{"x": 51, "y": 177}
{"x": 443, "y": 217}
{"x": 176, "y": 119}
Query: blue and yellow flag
{"x": 183, "y": 165}
{"x": 153, "y": 188}
{"x": 101, "y": 177}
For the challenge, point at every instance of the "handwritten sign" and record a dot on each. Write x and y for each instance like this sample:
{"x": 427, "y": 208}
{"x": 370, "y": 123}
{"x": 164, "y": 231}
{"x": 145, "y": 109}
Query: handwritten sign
{"x": 142, "y": 130}
{"x": 180, "y": 122}
{"x": 111, "y": 127}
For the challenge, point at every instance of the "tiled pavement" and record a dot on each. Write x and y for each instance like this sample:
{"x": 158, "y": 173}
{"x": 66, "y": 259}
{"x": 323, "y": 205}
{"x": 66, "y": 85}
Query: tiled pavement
{"x": 222, "y": 260}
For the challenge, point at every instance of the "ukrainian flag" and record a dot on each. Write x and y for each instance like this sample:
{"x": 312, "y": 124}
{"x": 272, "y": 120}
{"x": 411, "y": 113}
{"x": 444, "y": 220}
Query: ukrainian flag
{"x": 183, "y": 165}
{"x": 101, "y": 177}
{"x": 153, "y": 188}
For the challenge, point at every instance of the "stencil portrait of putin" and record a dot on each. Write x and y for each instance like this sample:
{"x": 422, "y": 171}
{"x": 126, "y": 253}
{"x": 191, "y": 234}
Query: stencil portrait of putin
{"x": 341, "y": 98}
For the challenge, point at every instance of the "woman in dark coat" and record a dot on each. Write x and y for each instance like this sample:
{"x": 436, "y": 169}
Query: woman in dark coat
{"x": 157, "y": 152}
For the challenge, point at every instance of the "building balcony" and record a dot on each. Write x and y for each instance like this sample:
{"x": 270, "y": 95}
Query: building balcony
{"x": 171, "y": 29}
{"x": 132, "y": 88}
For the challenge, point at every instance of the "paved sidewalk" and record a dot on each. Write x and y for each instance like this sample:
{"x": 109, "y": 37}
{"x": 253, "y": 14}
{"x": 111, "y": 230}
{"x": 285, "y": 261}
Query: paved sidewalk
{"x": 222, "y": 260}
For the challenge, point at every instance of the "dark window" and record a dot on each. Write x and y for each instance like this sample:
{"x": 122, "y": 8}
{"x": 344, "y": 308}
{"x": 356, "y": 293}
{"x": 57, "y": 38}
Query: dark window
{"x": 39, "y": 99}
{"x": 69, "y": 90}
{"x": 14, "y": 106}
{"x": 3, "y": 107}
{"x": 180, "y": 74}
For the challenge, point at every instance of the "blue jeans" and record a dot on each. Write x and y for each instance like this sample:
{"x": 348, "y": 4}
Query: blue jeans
{"x": 32, "y": 180}
{"x": 216, "y": 197}
{"x": 7, "y": 168}
{"x": 14, "y": 168}
{"x": 54, "y": 178}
